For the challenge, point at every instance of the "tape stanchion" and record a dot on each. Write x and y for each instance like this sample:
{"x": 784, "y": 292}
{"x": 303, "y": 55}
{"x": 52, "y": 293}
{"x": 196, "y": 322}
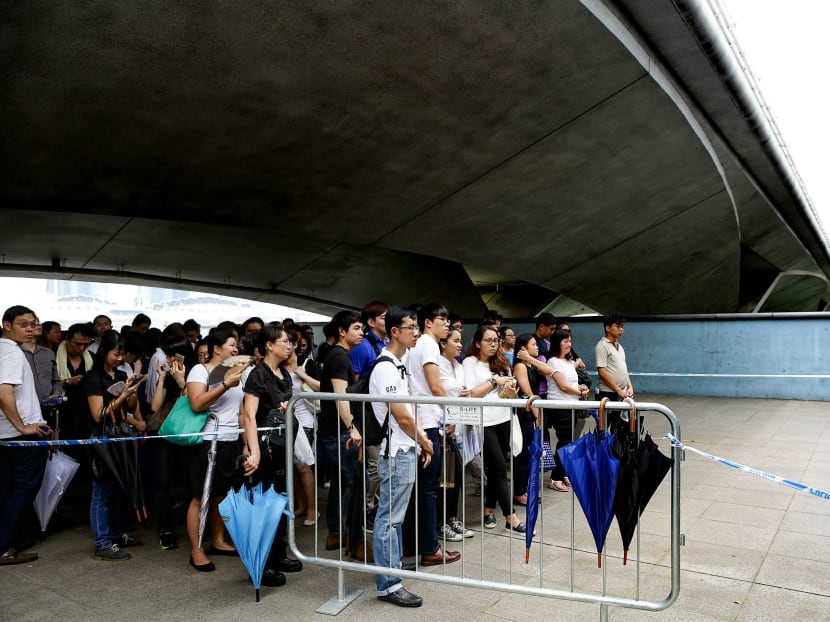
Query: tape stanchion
{"x": 120, "y": 439}
{"x": 746, "y": 469}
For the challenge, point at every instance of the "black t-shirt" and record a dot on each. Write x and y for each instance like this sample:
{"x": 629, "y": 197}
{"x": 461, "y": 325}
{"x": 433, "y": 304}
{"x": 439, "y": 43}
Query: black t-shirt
{"x": 336, "y": 365}
{"x": 98, "y": 383}
{"x": 263, "y": 383}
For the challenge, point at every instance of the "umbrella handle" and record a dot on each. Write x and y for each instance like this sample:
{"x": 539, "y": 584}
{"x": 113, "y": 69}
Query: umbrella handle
{"x": 632, "y": 423}
{"x": 602, "y": 404}
{"x": 530, "y": 401}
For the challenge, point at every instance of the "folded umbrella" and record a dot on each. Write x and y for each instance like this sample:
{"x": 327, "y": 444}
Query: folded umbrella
{"x": 251, "y": 517}
{"x": 593, "y": 470}
{"x": 642, "y": 468}
{"x": 59, "y": 471}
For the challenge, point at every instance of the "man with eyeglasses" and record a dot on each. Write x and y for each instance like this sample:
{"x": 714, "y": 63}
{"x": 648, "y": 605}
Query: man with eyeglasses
{"x": 397, "y": 461}
{"x": 425, "y": 379}
{"x": 21, "y": 468}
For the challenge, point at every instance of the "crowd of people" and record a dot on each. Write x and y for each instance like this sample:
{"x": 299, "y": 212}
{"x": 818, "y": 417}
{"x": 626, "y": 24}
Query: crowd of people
{"x": 135, "y": 376}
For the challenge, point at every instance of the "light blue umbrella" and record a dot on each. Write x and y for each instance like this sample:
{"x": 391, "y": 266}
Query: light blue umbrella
{"x": 252, "y": 517}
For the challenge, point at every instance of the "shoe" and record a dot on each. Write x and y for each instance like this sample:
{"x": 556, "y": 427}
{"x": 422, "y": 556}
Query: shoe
{"x": 12, "y": 557}
{"x": 520, "y": 500}
{"x": 409, "y": 566}
{"x": 126, "y": 540}
{"x": 439, "y": 557}
{"x": 208, "y": 567}
{"x": 226, "y": 552}
{"x": 370, "y": 521}
{"x": 111, "y": 554}
{"x": 402, "y": 598}
{"x": 333, "y": 541}
{"x": 520, "y": 528}
{"x": 167, "y": 541}
{"x": 310, "y": 522}
{"x": 289, "y": 565}
{"x": 557, "y": 486}
{"x": 271, "y": 578}
{"x": 459, "y": 528}
{"x": 490, "y": 521}
{"x": 447, "y": 533}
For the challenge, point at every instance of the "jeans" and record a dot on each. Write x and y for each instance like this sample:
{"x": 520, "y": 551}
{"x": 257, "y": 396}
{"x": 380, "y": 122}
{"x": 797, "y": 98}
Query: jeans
{"x": 397, "y": 477}
{"x": 21, "y": 474}
{"x": 105, "y": 512}
{"x": 348, "y": 466}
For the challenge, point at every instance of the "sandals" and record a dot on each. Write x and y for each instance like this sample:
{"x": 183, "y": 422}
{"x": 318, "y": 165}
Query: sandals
{"x": 557, "y": 486}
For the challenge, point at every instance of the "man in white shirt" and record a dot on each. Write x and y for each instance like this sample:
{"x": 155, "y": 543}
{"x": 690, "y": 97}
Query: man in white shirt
{"x": 614, "y": 381}
{"x": 397, "y": 462}
{"x": 425, "y": 379}
{"x": 21, "y": 468}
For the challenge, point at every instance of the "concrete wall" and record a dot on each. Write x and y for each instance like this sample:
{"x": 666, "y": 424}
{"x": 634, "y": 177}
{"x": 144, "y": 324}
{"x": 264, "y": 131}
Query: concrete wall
{"x": 771, "y": 356}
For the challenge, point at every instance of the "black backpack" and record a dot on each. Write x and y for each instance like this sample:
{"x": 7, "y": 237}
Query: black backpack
{"x": 374, "y": 432}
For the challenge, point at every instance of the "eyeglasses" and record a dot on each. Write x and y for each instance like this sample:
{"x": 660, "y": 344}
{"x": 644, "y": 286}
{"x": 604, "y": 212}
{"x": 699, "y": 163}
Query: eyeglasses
{"x": 288, "y": 342}
{"x": 413, "y": 327}
{"x": 27, "y": 324}
{"x": 509, "y": 335}
{"x": 491, "y": 341}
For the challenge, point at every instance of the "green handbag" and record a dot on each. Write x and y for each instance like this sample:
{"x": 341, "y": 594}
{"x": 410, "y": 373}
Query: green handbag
{"x": 182, "y": 420}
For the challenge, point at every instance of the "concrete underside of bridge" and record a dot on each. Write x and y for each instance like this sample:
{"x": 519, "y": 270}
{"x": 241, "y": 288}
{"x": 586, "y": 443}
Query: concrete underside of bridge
{"x": 534, "y": 155}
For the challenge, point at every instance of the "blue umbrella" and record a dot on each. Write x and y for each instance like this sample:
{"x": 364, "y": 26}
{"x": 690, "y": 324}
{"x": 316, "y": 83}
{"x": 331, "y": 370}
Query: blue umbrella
{"x": 535, "y": 464}
{"x": 252, "y": 517}
{"x": 594, "y": 470}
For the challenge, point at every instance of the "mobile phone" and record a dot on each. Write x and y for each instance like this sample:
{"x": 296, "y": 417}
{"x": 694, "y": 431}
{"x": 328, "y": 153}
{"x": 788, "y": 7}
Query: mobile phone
{"x": 138, "y": 378}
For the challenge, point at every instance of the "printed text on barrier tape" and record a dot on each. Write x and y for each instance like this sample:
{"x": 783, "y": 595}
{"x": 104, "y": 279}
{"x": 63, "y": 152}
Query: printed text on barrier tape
{"x": 121, "y": 439}
{"x": 740, "y": 467}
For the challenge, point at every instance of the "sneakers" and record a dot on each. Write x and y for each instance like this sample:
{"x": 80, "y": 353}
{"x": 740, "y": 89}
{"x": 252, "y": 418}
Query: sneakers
{"x": 490, "y": 521}
{"x": 458, "y": 527}
{"x": 126, "y": 540}
{"x": 111, "y": 554}
{"x": 448, "y": 533}
{"x": 370, "y": 521}
{"x": 167, "y": 541}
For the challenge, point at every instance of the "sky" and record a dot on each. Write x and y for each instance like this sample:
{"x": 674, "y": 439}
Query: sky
{"x": 786, "y": 46}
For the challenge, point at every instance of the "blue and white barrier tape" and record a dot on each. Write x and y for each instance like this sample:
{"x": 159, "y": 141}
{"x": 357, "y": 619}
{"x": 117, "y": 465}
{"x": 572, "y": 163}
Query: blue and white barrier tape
{"x": 120, "y": 439}
{"x": 740, "y": 467}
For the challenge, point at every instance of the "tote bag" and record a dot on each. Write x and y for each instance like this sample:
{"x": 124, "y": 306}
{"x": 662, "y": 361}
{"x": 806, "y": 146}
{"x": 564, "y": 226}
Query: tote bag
{"x": 182, "y": 420}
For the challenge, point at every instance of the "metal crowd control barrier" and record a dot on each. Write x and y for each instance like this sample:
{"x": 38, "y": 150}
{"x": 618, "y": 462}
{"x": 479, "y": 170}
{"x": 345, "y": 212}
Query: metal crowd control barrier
{"x": 468, "y": 410}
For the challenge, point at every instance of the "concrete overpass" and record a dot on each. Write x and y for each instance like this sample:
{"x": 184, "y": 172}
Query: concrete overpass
{"x": 535, "y": 155}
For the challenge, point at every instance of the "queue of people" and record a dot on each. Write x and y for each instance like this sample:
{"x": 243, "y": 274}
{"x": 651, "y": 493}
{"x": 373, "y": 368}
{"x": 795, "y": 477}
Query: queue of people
{"x": 136, "y": 376}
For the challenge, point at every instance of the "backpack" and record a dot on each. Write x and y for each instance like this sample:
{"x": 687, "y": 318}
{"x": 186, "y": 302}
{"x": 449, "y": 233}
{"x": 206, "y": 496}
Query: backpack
{"x": 374, "y": 432}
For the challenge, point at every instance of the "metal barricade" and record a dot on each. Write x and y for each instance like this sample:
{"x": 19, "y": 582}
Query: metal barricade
{"x": 478, "y": 574}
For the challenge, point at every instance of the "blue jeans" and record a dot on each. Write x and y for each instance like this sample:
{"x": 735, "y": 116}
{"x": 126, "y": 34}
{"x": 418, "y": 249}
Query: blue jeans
{"x": 105, "y": 512}
{"x": 396, "y": 477}
{"x": 348, "y": 466}
{"x": 21, "y": 474}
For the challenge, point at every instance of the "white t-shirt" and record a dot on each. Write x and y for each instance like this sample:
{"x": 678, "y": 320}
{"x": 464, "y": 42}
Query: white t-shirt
{"x": 301, "y": 410}
{"x": 16, "y": 371}
{"x": 477, "y": 372}
{"x": 567, "y": 369}
{"x": 225, "y": 409}
{"x": 452, "y": 376}
{"x": 425, "y": 352}
{"x": 386, "y": 380}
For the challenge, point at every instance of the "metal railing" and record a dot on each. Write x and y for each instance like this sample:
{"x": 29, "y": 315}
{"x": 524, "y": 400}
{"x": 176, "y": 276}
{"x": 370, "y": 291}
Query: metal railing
{"x": 457, "y": 574}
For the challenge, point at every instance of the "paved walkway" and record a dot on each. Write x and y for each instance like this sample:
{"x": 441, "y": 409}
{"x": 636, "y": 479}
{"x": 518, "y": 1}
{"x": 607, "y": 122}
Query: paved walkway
{"x": 755, "y": 550}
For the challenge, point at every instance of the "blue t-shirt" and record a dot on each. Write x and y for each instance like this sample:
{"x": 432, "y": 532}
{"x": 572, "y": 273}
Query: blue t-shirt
{"x": 364, "y": 355}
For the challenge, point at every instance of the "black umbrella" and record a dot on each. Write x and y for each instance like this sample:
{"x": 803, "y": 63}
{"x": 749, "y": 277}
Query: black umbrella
{"x": 121, "y": 458}
{"x": 642, "y": 467}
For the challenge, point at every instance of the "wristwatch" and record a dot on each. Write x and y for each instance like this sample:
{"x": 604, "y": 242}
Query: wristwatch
{"x": 493, "y": 381}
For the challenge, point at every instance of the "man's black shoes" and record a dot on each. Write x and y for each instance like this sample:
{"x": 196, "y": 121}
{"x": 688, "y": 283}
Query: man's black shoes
{"x": 402, "y": 598}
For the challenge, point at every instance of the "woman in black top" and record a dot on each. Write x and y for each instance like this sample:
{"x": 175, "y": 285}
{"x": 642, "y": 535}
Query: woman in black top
{"x": 268, "y": 388}
{"x": 104, "y": 406}
{"x": 528, "y": 371}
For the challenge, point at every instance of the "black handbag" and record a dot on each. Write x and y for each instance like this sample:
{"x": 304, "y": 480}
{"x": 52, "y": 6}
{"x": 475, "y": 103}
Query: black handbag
{"x": 584, "y": 377}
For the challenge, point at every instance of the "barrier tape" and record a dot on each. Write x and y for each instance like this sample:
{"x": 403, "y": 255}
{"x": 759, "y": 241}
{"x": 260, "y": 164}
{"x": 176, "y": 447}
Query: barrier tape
{"x": 120, "y": 439}
{"x": 821, "y": 494}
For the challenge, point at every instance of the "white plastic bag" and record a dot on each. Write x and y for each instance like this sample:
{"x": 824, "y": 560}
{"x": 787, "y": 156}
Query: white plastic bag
{"x": 302, "y": 449}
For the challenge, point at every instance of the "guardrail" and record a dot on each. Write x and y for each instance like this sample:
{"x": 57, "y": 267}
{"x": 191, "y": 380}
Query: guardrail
{"x": 460, "y": 574}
